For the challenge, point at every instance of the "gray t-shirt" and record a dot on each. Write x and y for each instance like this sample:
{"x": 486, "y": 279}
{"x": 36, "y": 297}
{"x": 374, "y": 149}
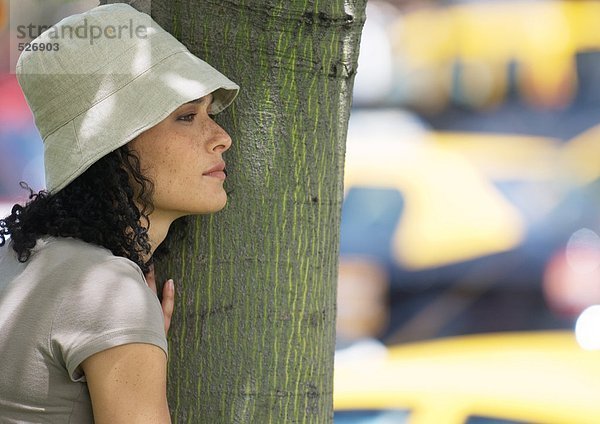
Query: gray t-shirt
{"x": 71, "y": 299}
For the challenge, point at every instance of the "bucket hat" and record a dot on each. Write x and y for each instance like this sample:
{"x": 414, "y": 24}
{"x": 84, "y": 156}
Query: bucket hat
{"x": 96, "y": 80}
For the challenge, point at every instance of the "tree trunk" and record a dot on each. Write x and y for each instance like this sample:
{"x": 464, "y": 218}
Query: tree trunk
{"x": 252, "y": 338}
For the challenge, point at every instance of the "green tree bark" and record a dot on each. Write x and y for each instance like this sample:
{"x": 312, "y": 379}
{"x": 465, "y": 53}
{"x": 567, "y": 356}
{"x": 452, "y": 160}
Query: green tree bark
{"x": 252, "y": 338}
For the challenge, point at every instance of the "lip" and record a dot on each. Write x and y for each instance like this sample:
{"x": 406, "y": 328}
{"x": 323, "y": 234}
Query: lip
{"x": 217, "y": 171}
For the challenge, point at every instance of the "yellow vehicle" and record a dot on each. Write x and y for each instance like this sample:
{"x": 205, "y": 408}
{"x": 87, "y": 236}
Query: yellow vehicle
{"x": 482, "y": 39}
{"x": 529, "y": 377}
{"x": 460, "y": 174}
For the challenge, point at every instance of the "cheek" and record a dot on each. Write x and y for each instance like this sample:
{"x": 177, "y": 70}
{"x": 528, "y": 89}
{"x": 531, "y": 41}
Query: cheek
{"x": 176, "y": 166}
{"x": 170, "y": 158}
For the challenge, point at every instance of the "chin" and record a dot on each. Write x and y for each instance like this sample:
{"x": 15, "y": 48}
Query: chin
{"x": 217, "y": 208}
{"x": 216, "y": 204}
{"x": 200, "y": 208}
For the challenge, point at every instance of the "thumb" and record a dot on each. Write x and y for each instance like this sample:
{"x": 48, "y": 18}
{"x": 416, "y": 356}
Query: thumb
{"x": 168, "y": 303}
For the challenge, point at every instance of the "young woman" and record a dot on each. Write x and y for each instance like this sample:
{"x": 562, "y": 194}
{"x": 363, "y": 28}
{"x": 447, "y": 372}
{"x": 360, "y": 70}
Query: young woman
{"x": 130, "y": 146}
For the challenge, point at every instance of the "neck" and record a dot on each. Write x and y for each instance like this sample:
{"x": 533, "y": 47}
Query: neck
{"x": 158, "y": 228}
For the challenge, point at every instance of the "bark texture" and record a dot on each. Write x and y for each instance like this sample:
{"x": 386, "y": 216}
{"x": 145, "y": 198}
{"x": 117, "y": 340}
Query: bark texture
{"x": 252, "y": 339}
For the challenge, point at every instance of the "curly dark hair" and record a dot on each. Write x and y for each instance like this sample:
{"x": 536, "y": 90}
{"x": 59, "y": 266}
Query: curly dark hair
{"x": 97, "y": 207}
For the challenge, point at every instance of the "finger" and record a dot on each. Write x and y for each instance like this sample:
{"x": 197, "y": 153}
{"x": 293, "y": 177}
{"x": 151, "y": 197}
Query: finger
{"x": 168, "y": 303}
{"x": 150, "y": 279}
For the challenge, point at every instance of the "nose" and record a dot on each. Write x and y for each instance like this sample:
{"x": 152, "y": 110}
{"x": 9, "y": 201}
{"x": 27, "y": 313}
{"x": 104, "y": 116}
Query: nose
{"x": 220, "y": 140}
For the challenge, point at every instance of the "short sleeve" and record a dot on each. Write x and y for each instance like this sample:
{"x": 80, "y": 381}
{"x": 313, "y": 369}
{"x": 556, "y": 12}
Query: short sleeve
{"x": 109, "y": 304}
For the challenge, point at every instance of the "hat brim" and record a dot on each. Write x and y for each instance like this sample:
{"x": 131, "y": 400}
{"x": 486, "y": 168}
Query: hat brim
{"x": 154, "y": 95}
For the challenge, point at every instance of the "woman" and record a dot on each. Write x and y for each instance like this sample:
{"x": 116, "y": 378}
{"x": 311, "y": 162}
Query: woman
{"x": 130, "y": 146}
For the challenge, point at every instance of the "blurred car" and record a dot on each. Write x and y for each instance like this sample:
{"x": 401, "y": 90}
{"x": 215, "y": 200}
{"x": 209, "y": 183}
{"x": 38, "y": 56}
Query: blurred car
{"x": 462, "y": 225}
{"x": 464, "y": 51}
{"x": 502, "y": 378}
{"x": 419, "y": 200}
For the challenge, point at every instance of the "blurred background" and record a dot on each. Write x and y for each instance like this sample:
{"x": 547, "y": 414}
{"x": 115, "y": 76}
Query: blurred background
{"x": 471, "y": 215}
{"x": 469, "y": 281}
{"x": 21, "y": 148}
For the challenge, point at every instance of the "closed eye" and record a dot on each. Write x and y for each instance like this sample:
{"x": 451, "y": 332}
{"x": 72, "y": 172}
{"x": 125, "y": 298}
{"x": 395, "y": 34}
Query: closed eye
{"x": 187, "y": 118}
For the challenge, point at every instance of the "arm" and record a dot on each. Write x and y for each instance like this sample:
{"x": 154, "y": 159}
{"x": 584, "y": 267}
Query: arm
{"x": 127, "y": 384}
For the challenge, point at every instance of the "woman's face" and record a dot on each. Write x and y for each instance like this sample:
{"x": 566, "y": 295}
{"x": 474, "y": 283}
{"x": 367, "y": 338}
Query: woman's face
{"x": 178, "y": 154}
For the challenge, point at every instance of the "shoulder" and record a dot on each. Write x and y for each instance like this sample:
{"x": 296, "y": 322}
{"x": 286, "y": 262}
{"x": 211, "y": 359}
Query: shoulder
{"x": 74, "y": 268}
{"x": 86, "y": 275}
{"x": 74, "y": 256}
{"x": 104, "y": 301}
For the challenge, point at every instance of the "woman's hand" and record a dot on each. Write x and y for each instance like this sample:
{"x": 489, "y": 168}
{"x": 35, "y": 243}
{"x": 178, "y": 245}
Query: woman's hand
{"x": 168, "y": 296}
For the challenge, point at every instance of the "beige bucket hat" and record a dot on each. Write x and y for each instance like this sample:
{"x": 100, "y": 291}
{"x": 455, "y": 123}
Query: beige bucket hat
{"x": 103, "y": 77}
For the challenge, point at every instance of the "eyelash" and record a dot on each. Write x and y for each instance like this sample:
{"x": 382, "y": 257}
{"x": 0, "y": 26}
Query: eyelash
{"x": 184, "y": 117}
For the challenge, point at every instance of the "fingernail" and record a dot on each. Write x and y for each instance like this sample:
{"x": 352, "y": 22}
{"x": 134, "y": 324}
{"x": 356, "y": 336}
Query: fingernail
{"x": 170, "y": 284}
